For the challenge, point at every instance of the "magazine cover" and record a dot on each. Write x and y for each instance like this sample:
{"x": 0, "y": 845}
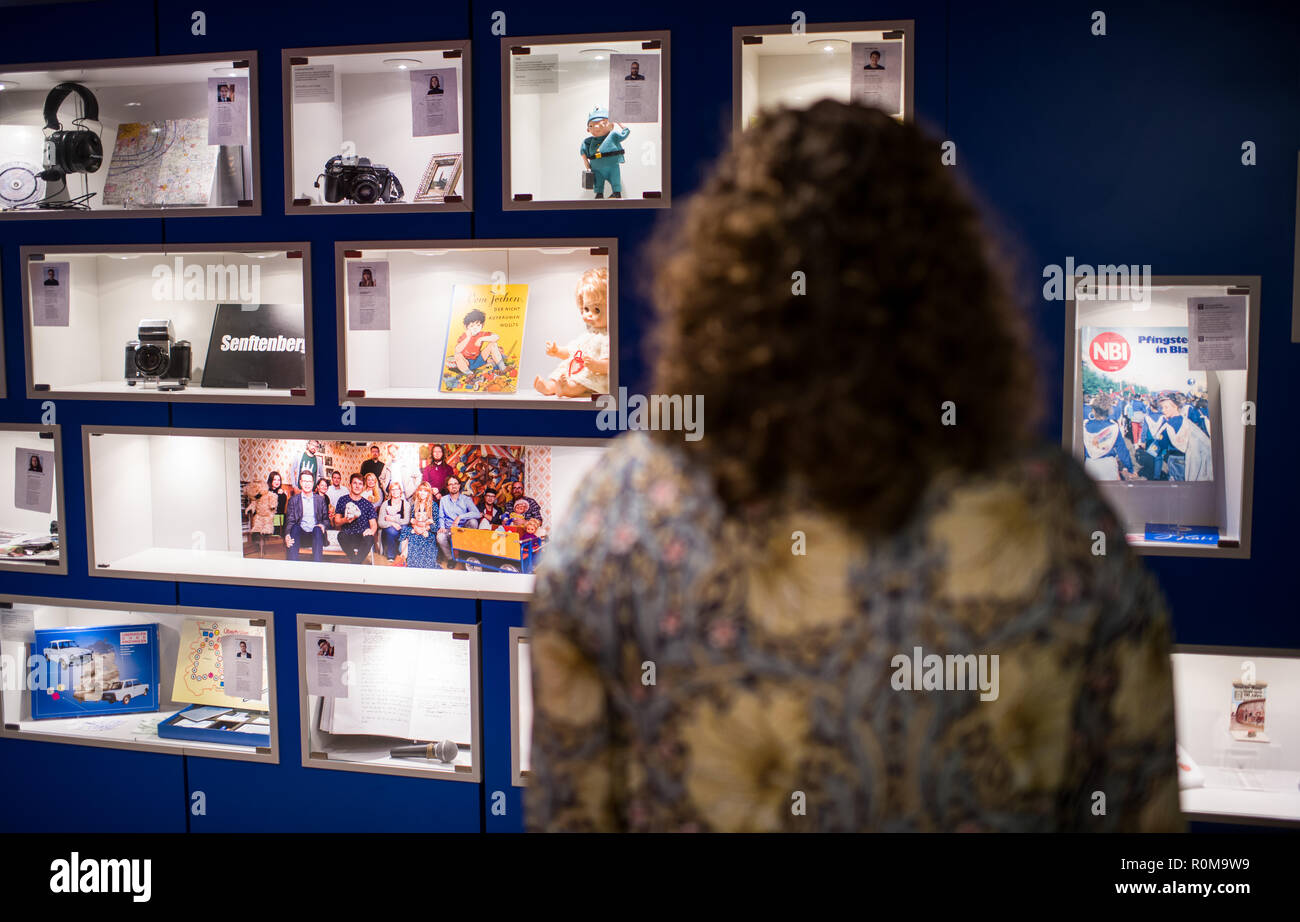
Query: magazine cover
{"x": 485, "y": 330}
{"x": 93, "y": 671}
{"x": 1146, "y": 416}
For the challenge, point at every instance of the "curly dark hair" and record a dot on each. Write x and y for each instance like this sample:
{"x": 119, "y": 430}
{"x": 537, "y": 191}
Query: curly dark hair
{"x": 839, "y": 390}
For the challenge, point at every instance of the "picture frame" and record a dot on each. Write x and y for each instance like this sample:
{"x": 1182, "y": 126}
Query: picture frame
{"x": 440, "y": 177}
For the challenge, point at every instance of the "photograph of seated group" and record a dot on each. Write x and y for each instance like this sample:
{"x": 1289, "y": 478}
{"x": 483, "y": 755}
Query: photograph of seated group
{"x": 446, "y": 515}
{"x": 454, "y": 507}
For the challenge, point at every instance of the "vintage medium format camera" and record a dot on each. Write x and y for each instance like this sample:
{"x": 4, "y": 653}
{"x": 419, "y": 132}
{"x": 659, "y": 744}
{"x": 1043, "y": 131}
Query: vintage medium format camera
{"x": 358, "y": 180}
{"x": 157, "y": 357}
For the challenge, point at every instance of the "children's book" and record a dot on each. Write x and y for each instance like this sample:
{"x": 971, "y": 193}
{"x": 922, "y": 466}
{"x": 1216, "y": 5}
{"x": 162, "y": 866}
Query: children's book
{"x": 485, "y": 333}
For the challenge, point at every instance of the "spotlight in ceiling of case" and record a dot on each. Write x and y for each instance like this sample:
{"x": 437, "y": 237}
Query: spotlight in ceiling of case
{"x": 8, "y": 84}
{"x": 830, "y": 45}
{"x": 226, "y": 71}
{"x": 132, "y": 105}
{"x": 597, "y": 53}
{"x": 402, "y": 63}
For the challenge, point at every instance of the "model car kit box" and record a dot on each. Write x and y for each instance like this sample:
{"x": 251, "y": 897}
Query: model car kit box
{"x": 94, "y": 671}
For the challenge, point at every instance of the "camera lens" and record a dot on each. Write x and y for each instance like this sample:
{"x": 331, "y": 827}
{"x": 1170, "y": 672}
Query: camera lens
{"x": 151, "y": 361}
{"x": 365, "y": 189}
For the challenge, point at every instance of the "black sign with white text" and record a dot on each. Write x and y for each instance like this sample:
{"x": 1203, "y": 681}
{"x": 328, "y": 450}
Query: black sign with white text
{"x": 256, "y": 345}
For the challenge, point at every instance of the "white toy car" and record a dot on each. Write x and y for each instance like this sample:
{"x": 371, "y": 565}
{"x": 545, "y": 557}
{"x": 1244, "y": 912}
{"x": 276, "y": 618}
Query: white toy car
{"x": 65, "y": 652}
{"x": 122, "y": 692}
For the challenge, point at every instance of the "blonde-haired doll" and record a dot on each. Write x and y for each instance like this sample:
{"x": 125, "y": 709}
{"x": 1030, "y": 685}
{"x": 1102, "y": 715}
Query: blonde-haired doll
{"x": 584, "y": 365}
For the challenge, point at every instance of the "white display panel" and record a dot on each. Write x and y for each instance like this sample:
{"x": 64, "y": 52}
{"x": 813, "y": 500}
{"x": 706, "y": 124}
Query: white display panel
{"x": 408, "y": 700}
{"x": 31, "y": 505}
{"x": 550, "y": 92}
{"x": 107, "y": 293}
{"x": 387, "y": 361}
{"x": 521, "y": 706}
{"x": 363, "y": 102}
{"x": 178, "y": 134}
{"x": 776, "y": 68}
{"x": 201, "y": 518}
{"x": 178, "y": 630}
{"x": 1240, "y": 777}
{"x": 1208, "y": 483}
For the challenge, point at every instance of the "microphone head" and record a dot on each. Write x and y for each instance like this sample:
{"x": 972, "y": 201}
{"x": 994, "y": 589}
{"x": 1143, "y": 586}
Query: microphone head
{"x": 446, "y": 751}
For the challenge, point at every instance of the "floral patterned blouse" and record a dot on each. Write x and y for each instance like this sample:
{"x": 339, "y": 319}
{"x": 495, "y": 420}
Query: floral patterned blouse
{"x": 690, "y": 674}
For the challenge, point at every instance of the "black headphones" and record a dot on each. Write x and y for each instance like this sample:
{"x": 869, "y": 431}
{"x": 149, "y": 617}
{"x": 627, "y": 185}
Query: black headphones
{"x": 75, "y": 151}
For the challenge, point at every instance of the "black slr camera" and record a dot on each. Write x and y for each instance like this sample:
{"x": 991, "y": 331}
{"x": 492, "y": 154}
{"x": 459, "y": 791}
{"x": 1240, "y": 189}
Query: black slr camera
{"x": 157, "y": 357}
{"x": 358, "y": 180}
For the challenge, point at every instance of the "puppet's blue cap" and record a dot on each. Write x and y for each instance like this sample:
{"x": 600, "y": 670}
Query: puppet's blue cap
{"x": 598, "y": 112}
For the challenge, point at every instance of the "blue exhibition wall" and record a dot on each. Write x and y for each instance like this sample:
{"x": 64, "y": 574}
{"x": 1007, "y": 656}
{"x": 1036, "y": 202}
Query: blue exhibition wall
{"x": 1123, "y": 148}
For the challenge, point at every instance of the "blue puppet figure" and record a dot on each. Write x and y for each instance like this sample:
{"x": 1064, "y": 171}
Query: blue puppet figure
{"x": 602, "y": 151}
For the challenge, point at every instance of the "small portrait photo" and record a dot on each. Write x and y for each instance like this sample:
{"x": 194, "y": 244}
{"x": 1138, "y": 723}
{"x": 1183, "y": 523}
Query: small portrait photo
{"x": 873, "y": 61}
{"x": 34, "y": 464}
{"x": 324, "y": 648}
{"x": 225, "y": 92}
{"x": 51, "y": 277}
{"x": 243, "y": 652}
{"x": 634, "y": 71}
{"x": 367, "y": 279}
{"x": 435, "y": 86}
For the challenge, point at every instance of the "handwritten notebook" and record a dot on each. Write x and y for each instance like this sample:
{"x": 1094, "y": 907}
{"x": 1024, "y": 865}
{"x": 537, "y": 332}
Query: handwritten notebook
{"x": 403, "y": 683}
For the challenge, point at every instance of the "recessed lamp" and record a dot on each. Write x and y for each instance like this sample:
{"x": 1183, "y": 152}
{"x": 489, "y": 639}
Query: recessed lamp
{"x": 132, "y": 105}
{"x": 225, "y": 71}
{"x": 431, "y": 252}
{"x": 8, "y": 84}
{"x": 402, "y": 63}
{"x": 829, "y": 45}
{"x": 261, "y": 255}
{"x": 557, "y": 251}
{"x": 597, "y": 53}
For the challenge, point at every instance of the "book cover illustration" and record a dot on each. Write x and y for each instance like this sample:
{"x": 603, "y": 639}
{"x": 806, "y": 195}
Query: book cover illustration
{"x": 90, "y": 672}
{"x": 485, "y": 331}
{"x": 200, "y": 672}
{"x": 1146, "y": 415}
{"x": 161, "y": 163}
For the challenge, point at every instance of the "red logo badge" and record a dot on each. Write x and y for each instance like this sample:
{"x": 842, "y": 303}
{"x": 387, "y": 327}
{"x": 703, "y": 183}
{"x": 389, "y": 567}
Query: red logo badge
{"x": 1109, "y": 351}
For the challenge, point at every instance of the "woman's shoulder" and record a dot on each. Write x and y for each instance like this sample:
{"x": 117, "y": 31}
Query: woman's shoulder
{"x": 1037, "y": 524}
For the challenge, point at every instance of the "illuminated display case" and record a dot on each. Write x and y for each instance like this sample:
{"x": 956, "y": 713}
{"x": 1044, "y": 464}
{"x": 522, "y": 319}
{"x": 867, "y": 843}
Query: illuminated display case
{"x": 377, "y": 128}
{"x": 602, "y": 97}
{"x": 548, "y": 309}
{"x": 191, "y": 709}
{"x": 1160, "y": 405}
{"x": 186, "y": 323}
{"x": 132, "y": 136}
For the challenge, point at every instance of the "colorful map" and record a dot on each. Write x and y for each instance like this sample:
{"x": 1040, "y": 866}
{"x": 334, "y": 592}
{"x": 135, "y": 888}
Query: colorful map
{"x": 200, "y": 678}
{"x": 161, "y": 163}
